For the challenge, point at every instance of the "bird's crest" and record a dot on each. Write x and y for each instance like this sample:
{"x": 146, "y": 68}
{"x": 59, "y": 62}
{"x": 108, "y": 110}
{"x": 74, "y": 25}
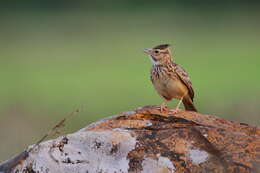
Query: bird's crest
{"x": 162, "y": 46}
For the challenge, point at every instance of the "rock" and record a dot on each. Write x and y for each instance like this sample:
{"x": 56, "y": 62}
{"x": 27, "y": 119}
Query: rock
{"x": 146, "y": 141}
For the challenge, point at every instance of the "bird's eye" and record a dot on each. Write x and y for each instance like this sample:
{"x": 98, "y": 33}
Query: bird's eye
{"x": 156, "y": 51}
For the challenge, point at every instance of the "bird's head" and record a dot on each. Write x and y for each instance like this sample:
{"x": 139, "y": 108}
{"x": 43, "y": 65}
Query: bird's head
{"x": 160, "y": 54}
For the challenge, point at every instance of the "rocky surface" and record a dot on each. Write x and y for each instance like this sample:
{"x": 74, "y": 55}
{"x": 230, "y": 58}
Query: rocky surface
{"x": 146, "y": 141}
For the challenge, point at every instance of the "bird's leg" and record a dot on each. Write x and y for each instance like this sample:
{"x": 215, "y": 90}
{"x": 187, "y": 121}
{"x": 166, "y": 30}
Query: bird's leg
{"x": 176, "y": 110}
{"x": 178, "y": 105}
{"x": 163, "y": 107}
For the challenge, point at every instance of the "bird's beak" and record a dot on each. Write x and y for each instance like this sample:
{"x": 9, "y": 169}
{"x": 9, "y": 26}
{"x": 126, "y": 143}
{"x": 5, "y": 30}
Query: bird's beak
{"x": 148, "y": 51}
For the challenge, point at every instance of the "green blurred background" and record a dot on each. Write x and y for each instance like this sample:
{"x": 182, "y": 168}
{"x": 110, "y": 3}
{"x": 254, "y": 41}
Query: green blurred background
{"x": 57, "y": 56}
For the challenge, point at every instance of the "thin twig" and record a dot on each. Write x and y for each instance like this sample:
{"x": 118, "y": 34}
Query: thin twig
{"x": 54, "y": 129}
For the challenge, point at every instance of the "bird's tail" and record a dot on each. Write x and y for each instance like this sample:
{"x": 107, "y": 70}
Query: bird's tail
{"x": 188, "y": 104}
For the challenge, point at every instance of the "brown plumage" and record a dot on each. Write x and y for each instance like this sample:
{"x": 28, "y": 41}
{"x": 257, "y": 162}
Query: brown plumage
{"x": 169, "y": 79}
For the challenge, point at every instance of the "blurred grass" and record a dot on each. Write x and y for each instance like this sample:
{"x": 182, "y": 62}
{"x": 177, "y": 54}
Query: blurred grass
{"x": 52, "y": 63}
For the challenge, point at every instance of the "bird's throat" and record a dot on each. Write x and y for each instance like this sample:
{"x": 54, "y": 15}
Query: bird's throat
{"x": 154, "y": 59}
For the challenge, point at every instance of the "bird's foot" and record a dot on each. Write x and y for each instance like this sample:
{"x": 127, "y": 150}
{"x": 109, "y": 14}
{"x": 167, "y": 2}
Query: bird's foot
{"x": 176, "y": 111}
{"x": 163, "y": 108}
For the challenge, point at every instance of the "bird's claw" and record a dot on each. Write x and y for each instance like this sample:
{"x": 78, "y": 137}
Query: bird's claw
{"x": 164, "y": 109}
{"x": 176, "y": 110}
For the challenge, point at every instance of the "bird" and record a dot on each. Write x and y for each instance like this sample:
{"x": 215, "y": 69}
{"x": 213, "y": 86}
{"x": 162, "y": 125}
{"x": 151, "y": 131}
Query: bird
{"x": 170, "y": 80}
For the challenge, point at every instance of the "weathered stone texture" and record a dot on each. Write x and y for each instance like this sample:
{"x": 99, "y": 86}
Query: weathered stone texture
{"x": 146, "y": 141}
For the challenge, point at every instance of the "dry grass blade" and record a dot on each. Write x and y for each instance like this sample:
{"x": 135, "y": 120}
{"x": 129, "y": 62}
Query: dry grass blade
{"x": 55, "y": 128}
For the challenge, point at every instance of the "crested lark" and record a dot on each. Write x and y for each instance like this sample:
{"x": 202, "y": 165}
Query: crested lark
{"x": 169, "y": 79}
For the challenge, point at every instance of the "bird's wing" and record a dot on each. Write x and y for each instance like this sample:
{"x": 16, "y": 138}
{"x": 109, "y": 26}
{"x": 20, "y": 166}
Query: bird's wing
{"x": 184, "y": 77}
